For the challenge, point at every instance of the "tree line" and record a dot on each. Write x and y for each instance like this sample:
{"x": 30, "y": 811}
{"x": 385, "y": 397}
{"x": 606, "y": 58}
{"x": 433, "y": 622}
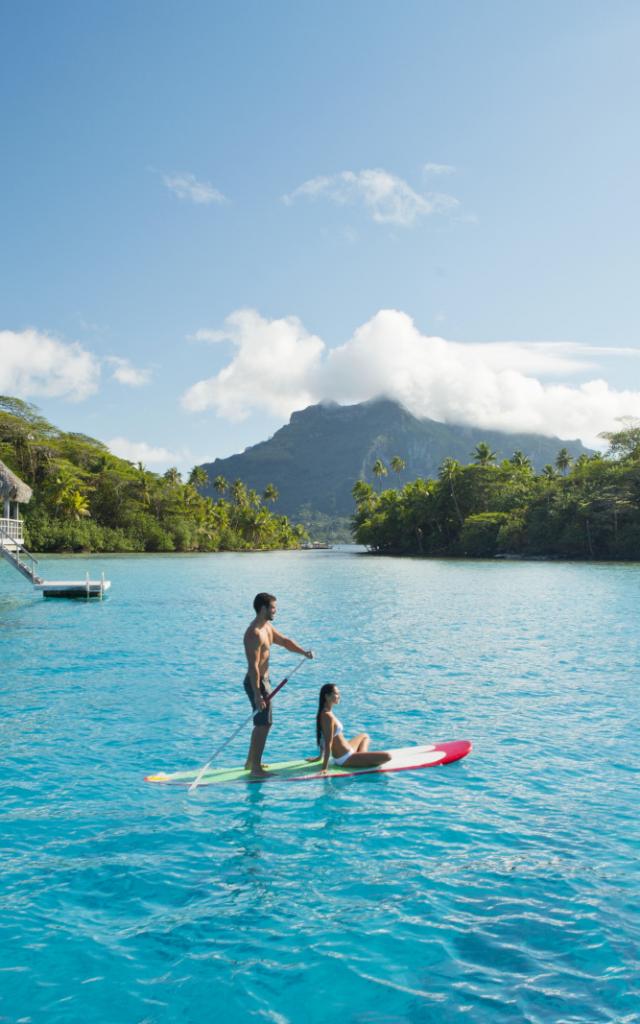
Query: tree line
{"x": 87, "y": 499}
{"x": 588, "y": 508}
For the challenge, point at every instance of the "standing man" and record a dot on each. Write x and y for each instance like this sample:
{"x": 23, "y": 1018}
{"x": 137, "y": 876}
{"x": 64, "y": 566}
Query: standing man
{"x": 258, "y": 638}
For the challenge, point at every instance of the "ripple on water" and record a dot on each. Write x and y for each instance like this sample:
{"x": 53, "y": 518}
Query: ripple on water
{"x": 501, "y": 888}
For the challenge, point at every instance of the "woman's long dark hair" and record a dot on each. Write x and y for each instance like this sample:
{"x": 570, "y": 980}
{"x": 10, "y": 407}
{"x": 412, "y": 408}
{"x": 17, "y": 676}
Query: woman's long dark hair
{"x": 324, "y": 692}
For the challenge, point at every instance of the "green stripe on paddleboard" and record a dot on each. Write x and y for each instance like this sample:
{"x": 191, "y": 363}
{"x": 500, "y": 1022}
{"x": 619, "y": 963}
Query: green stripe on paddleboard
{"x": 282, "y": 770}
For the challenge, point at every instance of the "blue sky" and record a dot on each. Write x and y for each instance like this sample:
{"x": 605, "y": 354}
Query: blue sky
{"x": 215, "y": 213}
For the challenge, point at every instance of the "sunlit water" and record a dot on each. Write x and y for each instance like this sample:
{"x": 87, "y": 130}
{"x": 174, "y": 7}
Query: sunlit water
{"x": 502, "y": 888}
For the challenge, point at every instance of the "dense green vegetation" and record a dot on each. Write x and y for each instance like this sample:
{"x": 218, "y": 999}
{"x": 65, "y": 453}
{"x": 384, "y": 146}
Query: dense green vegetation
{"x": 587, "y": 508}
{"x": 322, "y": 527}
{"x": 86, "y": 499}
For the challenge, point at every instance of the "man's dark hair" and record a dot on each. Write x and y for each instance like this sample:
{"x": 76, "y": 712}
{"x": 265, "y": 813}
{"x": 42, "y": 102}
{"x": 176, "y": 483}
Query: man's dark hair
{"x": 262, "y": 601}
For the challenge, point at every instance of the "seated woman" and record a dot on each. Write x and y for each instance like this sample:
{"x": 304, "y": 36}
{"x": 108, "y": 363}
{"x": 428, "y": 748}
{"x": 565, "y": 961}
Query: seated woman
{"x": 330, "y": 737}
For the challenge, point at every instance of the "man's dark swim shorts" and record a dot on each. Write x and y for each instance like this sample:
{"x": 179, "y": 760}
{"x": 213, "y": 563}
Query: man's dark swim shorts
{"x": 260, "y": 717}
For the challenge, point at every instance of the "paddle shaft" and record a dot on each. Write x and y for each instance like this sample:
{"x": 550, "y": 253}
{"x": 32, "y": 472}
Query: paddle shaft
{"x": 268, "y": 698}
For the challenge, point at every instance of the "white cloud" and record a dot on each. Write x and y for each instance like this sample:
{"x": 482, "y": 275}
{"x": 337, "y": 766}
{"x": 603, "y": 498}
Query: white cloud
{"x": 279, "y": 367}
{"x": 204, "y": 334}
{"x": 439, "y": 169}
{"x": 140, "y": 451}
{"x": 388, "y": 199}
{"x": 187, "y": 186}
{"x": 35, "y": 364}
{"x": 274, "y": 359}
{"x": 127, "y": 374}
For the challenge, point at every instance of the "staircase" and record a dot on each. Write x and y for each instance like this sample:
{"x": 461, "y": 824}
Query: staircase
{"x": 13, "y": 551}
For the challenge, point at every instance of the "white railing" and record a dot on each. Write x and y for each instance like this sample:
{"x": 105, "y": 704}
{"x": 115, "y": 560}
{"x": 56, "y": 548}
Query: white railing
{"x": 11, "y": 529}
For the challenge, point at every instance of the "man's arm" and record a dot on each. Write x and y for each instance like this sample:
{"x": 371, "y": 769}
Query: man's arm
{"x": 252, "y": 646}
{"x": 290, "y": 645}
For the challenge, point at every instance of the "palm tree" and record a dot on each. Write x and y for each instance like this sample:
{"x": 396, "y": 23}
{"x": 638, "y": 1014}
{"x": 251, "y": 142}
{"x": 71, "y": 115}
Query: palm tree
{"x": 198, "y": 477}
{"x": 173, "y": 476}
{"x": 563, "y": 461}
{"x": 362, "y": 492}
{"x": 449, "y": 472}
{"x": 482, "y": 454}
{"x": 270, "y": 493}
{"x": 379, "y": 470}
{"x": 398, "y": 464}
{"x": 520, "y": 460}
{"x": 220, "y": 485}
{"x": 73, "y": 502}
{"x": 78, "y": 505}
{"x": 549, "y": 472}
{"x": 143, "y": 484}
{"x": 239, "y": 493}
{"x": 189, "y": 495}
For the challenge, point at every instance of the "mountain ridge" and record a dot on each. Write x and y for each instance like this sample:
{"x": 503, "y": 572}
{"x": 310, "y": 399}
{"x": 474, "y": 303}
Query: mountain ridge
{"x": 315, "y": 459}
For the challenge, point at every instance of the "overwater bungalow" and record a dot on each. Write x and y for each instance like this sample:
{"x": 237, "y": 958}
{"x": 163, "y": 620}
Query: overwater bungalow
{"x": 13, "y": 493}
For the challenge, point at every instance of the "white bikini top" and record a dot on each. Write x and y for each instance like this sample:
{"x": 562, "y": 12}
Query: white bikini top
{"x": 339, "y": 729}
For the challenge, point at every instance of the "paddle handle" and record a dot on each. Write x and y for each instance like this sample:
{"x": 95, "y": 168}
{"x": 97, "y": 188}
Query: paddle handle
{"x": 268, "y": 698}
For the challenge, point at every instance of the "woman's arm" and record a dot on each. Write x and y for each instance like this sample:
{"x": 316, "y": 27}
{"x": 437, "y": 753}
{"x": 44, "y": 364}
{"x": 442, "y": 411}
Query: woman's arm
{"x": 328, "y": 729}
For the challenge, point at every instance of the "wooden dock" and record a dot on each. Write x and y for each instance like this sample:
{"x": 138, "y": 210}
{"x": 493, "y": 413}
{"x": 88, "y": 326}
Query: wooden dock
{"x": 83, "y": 589}
{"x": 14, "y": 552}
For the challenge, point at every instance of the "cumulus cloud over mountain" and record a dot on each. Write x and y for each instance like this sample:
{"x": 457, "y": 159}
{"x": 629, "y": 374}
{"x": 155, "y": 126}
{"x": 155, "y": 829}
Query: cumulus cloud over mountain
{"x": 274, "y": 368}
{"x": 279, "y": 367}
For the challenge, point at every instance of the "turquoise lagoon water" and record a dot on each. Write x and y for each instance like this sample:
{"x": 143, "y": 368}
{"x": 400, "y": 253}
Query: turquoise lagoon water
{"x": 503, "y": 888}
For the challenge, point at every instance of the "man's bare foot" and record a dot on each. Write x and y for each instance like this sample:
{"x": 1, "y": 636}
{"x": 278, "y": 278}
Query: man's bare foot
{"x": 264, "y": 766}
{"x": 259, "y": 773}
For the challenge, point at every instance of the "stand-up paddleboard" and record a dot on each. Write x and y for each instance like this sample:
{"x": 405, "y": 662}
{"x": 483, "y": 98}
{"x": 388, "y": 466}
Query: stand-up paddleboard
{"x": 402, "y": 760}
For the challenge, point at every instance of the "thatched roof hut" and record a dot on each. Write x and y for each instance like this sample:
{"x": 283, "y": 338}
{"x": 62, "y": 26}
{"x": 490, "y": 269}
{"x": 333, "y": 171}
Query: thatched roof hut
{"x": 12, "y": 488}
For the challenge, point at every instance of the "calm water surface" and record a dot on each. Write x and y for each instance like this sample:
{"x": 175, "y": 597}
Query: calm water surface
{"x": 503, "y": 888}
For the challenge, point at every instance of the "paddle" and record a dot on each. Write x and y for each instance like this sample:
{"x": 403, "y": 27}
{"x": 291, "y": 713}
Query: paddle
{"x": 269, "y": 697}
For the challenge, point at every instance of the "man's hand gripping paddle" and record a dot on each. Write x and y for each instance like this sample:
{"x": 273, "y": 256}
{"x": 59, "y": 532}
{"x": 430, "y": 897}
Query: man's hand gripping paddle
{"x": 196, "y": 782}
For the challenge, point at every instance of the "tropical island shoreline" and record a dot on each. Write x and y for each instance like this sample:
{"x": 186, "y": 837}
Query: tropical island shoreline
{"x": 82, "y": 499}
{"x": 587, "y": 509}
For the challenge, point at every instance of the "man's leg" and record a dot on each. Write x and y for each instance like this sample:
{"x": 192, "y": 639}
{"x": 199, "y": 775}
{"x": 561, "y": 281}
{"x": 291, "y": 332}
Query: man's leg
{"x": 256, "y": 748}
{"x": 261, "y": 726}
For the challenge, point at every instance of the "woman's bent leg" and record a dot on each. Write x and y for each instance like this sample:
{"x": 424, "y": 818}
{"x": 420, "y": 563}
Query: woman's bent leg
{"x": 368, "y": 759}
{"x": 360, "y": 743}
